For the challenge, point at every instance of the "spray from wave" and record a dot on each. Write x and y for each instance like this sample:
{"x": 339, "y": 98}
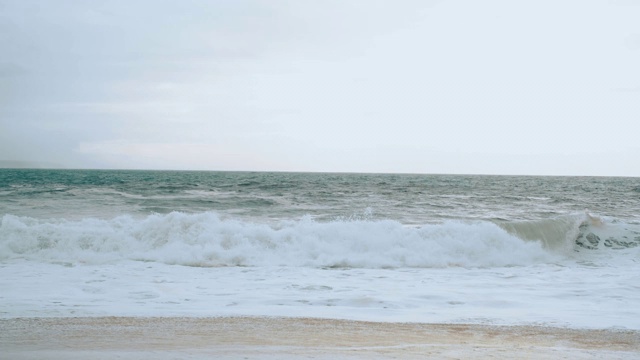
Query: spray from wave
{"x": 205, "y": 239}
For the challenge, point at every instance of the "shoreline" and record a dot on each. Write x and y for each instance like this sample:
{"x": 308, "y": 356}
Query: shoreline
{"x": 283, "y": 337}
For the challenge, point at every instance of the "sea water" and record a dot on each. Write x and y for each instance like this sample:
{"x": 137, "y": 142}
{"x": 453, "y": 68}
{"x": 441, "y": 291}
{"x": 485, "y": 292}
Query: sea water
{"x": 559, "y": 251}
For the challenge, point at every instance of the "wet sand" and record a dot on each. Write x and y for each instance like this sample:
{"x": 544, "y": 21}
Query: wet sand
{"x": 277, "y": 338}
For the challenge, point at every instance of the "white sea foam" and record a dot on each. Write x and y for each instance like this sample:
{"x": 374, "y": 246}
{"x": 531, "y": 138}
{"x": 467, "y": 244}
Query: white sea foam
{"x": 544, "y": 294}
{"x": 205, "y": 239}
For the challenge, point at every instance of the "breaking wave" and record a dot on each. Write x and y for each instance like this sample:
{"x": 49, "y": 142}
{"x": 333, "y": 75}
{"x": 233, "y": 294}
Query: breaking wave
{"x": 205, "y": 239}
{"x": 582, "y": 231}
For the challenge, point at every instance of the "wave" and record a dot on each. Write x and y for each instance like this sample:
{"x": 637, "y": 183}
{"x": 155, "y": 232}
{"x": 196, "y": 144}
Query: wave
{"x": 205, "y": 239}
{"x": 577, "y": 232}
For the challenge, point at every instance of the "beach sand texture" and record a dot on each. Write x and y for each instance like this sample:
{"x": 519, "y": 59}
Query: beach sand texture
{"x": 277, "y": 338}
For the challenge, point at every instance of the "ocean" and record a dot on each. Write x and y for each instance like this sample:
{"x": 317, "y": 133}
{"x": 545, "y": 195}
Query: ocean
{"x": 500, "y": 250}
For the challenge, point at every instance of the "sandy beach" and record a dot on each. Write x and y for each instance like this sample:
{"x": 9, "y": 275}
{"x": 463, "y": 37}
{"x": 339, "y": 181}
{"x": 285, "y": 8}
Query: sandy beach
{"x": 271, "y": 338}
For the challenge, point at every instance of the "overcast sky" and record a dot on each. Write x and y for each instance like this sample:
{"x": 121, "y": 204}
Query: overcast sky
{"x": 481, "y": 87}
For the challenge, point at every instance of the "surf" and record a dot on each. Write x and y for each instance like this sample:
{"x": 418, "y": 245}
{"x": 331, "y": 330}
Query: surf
{"x": 206, "y": 239}
{"x": 576, "y": 232}
{"x": 209, "y": 240}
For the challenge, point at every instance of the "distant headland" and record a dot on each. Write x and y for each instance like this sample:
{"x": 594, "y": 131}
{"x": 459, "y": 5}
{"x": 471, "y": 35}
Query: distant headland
{"x": 18, "y": 164}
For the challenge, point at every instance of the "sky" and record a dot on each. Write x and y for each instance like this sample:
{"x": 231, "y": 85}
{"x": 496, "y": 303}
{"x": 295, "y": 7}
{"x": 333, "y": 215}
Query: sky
{"x": 544, "y": 87}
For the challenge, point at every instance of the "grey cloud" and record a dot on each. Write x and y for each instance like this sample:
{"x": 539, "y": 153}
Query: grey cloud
{"x": 300, "y": 80}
